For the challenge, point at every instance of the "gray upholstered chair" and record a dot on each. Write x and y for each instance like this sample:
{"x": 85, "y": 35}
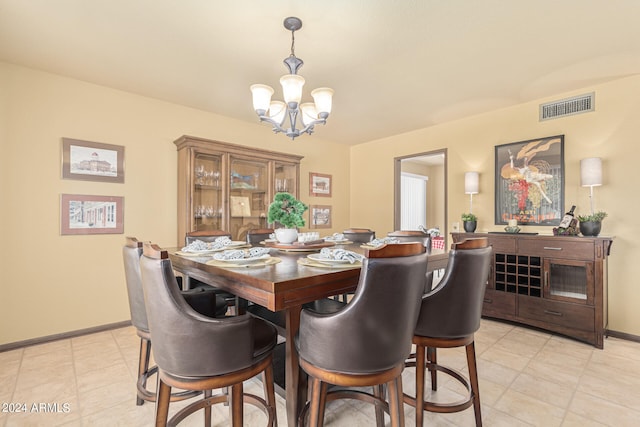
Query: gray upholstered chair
{"x": 412, "y": 236}
{"x": 204, "y": 302}
{"x": 359, "y": 235}
{"x": 194, "y": 352}
{"x": 449, "y": 317}
{"x": 366, "y": 343}
{"x": 257, "y": 235}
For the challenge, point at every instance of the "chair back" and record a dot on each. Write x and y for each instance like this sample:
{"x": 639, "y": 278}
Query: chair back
{"x": 186, "y": 343}
{"x": 359, "y": 235}
{"x": 257, "y": 235}
{"x": 131, "y": 253}
{"x": 453, "y": 308}
{"x": 375, "y": 328}
{"x": 205, "y": 235}
{"x": 412, "y": 236}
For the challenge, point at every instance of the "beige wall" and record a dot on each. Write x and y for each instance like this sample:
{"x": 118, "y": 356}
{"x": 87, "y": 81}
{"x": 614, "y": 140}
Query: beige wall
{"x": 53, "y": 284}
{"x": 611, "y": 132}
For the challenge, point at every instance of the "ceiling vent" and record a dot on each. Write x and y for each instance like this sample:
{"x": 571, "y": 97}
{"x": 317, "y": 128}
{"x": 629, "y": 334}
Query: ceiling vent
{"x": 567, "y": 107}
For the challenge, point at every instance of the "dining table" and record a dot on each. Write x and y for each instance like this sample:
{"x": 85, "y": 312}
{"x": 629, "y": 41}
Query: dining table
{"x": 283, "y": 285}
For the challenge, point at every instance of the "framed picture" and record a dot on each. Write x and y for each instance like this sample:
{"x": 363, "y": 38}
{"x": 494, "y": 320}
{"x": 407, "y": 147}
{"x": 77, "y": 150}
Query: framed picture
{"x": 319, "y": 216}
{"x": 82, "y": 214}
{"x": 92, "y": 161}
{"x": 530, "y": 181}
{"x": 319, "y": 185}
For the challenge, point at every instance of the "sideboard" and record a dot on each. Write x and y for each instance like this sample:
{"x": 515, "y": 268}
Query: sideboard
{"x": 555, "y": 283}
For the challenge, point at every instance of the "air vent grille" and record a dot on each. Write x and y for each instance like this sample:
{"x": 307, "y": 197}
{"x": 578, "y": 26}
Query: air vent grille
{"x": 567, "y": 107}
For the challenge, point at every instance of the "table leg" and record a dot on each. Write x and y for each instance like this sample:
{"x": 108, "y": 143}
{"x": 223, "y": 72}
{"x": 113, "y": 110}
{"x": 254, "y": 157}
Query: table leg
{"x": 295, "y": 378}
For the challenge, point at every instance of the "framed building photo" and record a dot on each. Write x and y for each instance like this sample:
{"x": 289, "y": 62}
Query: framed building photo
{"x": 82, "y": 214}
{"x": 92, "y": 161}
{"x": 529, "y": 181}
{"x": 319, "y": 185}
{"x": 319, "y": 216}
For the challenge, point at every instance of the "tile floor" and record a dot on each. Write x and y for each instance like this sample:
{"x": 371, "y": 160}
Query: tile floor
{"x": 527, "y": 378}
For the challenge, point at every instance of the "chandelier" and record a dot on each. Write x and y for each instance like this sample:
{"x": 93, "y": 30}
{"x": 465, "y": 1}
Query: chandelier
{"x": 305, "y": 115}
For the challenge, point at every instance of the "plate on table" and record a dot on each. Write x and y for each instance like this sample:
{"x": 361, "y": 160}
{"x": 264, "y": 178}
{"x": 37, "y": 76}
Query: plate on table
{"x": 243, "y": 260}
{"x": 204, "y": 252}
{"x": 324, "y": 260}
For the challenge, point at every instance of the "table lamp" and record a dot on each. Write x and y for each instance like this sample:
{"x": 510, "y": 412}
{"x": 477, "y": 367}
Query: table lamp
{"x": 471, "y": 184}
{"x": 591, "y": 175}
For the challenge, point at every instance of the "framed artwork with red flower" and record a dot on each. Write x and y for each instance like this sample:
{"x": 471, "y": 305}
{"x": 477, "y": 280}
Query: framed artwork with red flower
{"x": 530, "y": 181}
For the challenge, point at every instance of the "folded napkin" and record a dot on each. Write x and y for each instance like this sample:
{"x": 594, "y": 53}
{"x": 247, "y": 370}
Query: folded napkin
{"x": 231, "y": 254}
{"x": 335, "y": 237}
{"x": 340, "y": 254}
{"x": 383, "y": 241}
{"x": 199, "y": 245}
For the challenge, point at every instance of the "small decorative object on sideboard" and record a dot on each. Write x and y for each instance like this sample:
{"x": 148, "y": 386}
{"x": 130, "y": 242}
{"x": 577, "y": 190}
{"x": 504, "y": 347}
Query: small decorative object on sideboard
{"x": 568, "y": 226}
{"x": 469, "y": 221}
{"x": 287, "y": 211}
{"x": 590, "y": 225}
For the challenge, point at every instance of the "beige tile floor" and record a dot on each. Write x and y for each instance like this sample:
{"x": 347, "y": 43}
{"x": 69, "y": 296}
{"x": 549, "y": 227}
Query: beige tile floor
{"x": 527, "y": 378}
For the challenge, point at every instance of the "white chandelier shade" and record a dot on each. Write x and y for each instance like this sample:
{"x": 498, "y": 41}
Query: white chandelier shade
{"x": 275, "y": 112}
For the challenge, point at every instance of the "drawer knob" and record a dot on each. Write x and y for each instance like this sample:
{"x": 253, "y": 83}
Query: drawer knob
{"x": 553, "y": 313}
{"x": 550, "y": 248}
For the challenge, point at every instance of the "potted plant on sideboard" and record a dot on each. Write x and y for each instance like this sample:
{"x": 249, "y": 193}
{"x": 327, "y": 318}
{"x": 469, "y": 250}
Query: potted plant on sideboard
{"x": 469, "y": 222}
{"x": 590, "y": 225}
{"x": 287, "y": 211}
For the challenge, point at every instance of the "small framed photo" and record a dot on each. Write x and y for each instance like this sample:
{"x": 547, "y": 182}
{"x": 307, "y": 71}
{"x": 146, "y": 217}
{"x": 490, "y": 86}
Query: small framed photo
{"x": 319, "y": 216}
{"x": 92, "y": 161}
{"x": 82, "y": 214}
{"x": 319, "y": 185}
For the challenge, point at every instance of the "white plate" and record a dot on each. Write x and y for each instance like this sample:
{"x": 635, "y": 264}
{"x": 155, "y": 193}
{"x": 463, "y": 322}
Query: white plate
{"x": 244, "y": 260}
{"x": 236, "y": 243}
{"x": 325, "y": 260}
{"x": 335, "y": 240}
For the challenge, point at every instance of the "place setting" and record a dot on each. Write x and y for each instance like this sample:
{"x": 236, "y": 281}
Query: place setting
{"x": 243, "y": 258}
{"x": 376, "y": 243}
{"x": 333, "y": 258}
{"x": 338, "y": 239}
{"x": 202, "y": 248}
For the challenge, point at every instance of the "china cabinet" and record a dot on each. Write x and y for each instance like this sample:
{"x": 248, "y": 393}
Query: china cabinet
{"x": 550, "y": 282}
{"x": 223, "y": 186}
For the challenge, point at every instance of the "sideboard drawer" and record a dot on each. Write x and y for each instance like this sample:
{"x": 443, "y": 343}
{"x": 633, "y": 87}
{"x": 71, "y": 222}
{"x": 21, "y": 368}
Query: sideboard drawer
{"x": 575, "y": 249}
{"x": 498, "y": 303}
{"x": 559, "y": 313}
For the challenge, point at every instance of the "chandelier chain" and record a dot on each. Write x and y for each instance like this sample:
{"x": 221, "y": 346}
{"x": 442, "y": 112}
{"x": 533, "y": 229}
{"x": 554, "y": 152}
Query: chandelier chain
{"x": 293, "y": 43}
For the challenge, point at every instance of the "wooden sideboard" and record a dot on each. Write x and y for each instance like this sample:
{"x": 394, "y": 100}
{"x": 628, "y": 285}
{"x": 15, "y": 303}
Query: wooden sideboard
{"x": 550, "y": 282}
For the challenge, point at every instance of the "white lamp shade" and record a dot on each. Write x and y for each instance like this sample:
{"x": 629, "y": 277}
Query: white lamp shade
{"x": 292, "y": 87}
{"x": 277, "y": 111}
{"x": 471, "y": 183}
{"x": 309, "y": 113}
{"x": 261, "y": 97}
{"x": 322, "y": 98}
{"x": 591, "y": 172}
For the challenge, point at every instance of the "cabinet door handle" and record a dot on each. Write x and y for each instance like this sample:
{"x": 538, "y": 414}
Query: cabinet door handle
{"x": 488, "y": 300}
{"x": 550, "y": 248}
{"x": 553, "y": 313}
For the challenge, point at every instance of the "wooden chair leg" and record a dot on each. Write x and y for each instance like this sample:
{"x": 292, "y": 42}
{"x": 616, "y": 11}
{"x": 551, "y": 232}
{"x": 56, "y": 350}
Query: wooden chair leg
{"x": 420, "y": 374}
{"x": 143, "y": 365}
{"x": 318, "y": 401}
{"x": 396, "y": 412}
{"x": 207, "y": 409}
{"x": 379, "y": 392}
{"x": 433, "y": 358}
{"x": 473, "y": 379}
{"x": 269, "y": 391}
{"x": 236, "y": 405}
{"x": 162, "y": 404}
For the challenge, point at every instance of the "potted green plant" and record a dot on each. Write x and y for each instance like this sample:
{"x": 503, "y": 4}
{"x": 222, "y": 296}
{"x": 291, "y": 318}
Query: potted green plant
{"x": 469, "y": 222}
{"x": 287, "y": 211}
{"x": 590, "y": 225}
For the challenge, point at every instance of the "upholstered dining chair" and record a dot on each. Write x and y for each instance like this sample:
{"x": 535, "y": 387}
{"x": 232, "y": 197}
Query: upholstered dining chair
{"x": 449, "y": 317}
{"x": 205, "y": 302}
{"x": 359, "y": 235}
{"x": 257, "y": 235}
{"x": 194, "y": 352}
{"x": 412, "y": 236}
{"x": 366, "y": 343}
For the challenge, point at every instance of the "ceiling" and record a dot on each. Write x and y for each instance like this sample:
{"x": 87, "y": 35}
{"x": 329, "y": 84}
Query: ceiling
{"x": 395, "y": 66}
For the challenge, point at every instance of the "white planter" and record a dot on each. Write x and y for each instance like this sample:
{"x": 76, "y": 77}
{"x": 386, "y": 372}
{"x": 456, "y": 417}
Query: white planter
{"x": 286, "y": 235}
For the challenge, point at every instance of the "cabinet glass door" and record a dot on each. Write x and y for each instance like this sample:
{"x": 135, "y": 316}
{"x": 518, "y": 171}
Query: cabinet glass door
{"x": 568, "y": 280}
{"x": 286, "y": 179}
{"x": 207, "y": 193}
{"x": 248, "y": 192}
